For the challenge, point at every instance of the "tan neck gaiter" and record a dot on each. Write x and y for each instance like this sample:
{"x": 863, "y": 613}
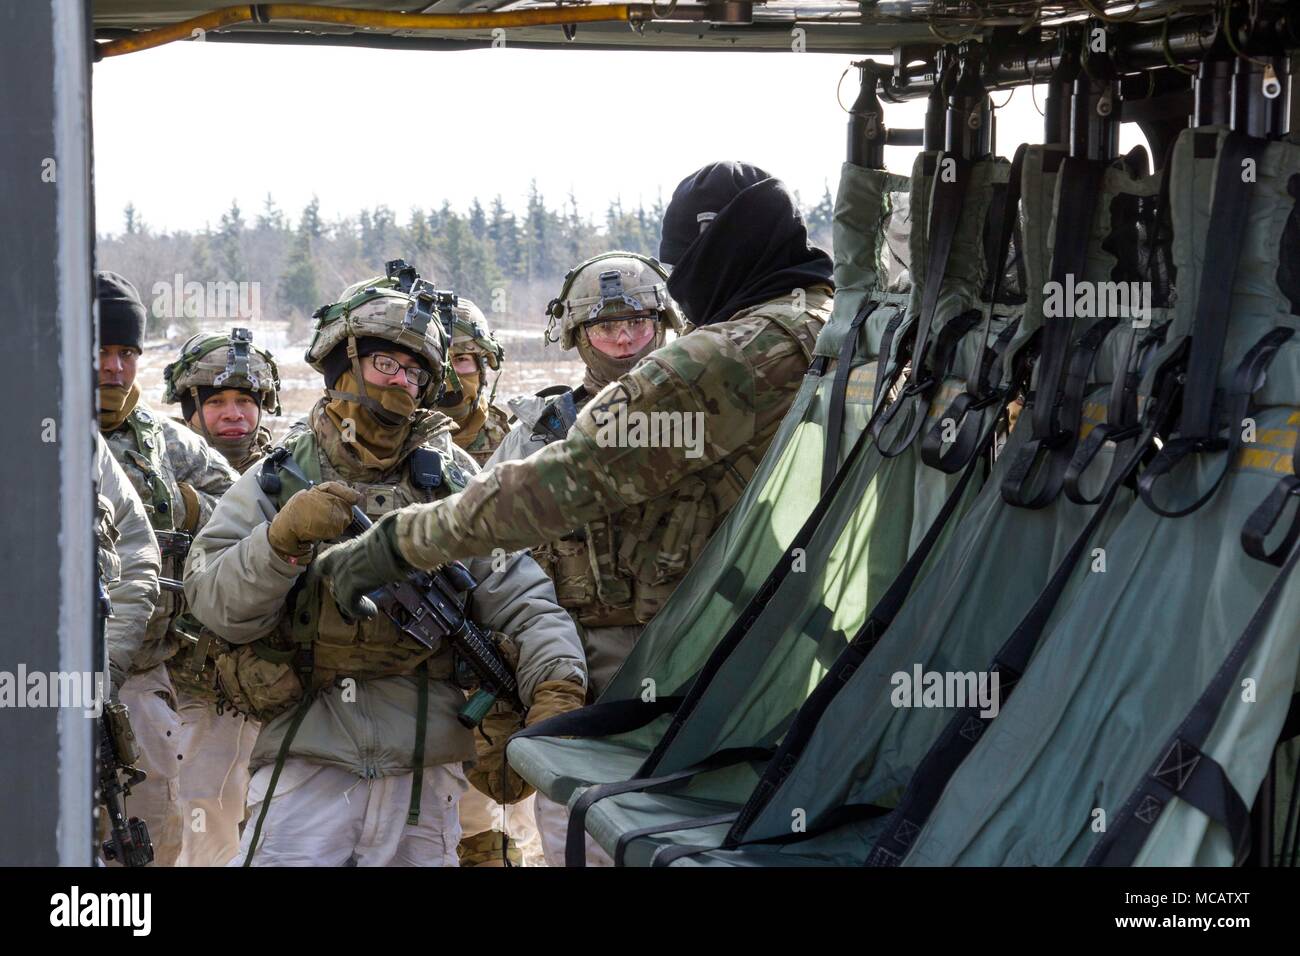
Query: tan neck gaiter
{"x": 376, "y": 445}
{"x": 116, "y": 402}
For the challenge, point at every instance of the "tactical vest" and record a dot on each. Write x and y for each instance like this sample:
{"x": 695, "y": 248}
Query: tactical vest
{"x": 619, "y": 570}
{"x": 192, "y": 668}
{"x": 147, "y": 457}
{"x": 140, "y": 448}
{"x": 313, "y": 644}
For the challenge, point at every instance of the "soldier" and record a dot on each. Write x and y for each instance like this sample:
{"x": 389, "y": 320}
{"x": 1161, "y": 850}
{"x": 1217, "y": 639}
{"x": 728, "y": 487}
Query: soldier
{"x": 224, "y": 385}
{"x": 474, "y": 350}
{"x": 360, "y": 746}
{"x": 179, "y": 478}
{"x": 128, "y": 560}
{"x": 757, "y": 294}
{"x": 615, "y": 310}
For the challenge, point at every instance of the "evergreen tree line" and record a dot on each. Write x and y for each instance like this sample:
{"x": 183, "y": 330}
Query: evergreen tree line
{"x": 509, "y": 262}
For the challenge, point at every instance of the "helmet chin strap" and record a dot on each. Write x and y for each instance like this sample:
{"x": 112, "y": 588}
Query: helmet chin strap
{"x": 382, "y": 415}
{"x": 198, "y": 413}
{"x": 239, "y": 447}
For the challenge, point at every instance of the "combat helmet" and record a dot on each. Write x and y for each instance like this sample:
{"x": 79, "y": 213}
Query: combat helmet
{"x": 472, "y": 334}
{"x": 398, "y": 307}
{"x": 219, "y": 360}
{"x": 612, "y": 285}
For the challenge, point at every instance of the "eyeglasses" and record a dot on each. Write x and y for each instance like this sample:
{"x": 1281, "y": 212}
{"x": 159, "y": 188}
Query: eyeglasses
{"x": 385, "y": 365}
{"x": 608, "y": 330}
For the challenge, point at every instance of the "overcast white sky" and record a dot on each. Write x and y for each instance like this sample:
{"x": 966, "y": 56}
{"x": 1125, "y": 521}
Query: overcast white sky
{"x": 183, "y": 129}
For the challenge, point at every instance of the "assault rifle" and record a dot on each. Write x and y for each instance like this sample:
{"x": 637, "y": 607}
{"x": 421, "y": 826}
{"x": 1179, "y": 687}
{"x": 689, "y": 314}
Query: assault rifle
{"x": 426, "y": 608}
{"x": 128, "y": 841}
{"x": 173, "y": 544}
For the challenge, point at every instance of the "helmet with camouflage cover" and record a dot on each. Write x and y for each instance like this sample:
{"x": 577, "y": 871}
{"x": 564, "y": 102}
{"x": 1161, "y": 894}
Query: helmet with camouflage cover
{"x": 220, "y": 360}
{"x": 399, "y": 308}
{"x": 471, "y": 335}
{"x": 612, "y": 285}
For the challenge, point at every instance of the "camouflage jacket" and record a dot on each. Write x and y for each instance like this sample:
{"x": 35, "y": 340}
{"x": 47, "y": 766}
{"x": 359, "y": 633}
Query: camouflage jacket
{"x": 690, "y": 422}
{"x": 128, "y": 562}
{"x": 179, "y": 478}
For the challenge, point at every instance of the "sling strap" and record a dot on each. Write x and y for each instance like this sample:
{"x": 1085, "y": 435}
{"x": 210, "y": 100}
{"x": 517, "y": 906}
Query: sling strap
{"x": 620, "y": 848}
{"x": 1199, "y": 425}
{"x": 1121, "y": 423}
{"x": 576, "y": 837}
{"x": 1264, "y": 519}
{"x": 839, "y": 390}
{"x": 945, "y": 215}
{"x": 886, "y": 347}
{"x": 979, "y": 393}
{"x": 1237, "y": 405}
{"x": 1051, "y": 444}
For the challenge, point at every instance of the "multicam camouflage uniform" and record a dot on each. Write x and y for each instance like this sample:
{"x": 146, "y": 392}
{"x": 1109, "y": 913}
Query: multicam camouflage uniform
{"x": 481, "y": 424}
{"x": 645, "y": 513}
{"x": 594, "y": 582}
{"x": 216, "y": 743}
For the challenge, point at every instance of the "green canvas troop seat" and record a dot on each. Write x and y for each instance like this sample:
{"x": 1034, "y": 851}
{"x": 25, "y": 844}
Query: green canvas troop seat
{"x": 1109, "y": 748}
{"x": 948, "y": 621}
{"x": 1096, "y": 757}
{"x": 749, "y": 693}
{"x": 872, "y": 224}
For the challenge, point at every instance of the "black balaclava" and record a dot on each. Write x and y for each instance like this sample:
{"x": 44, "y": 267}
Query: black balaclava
{"x": 735, "y": 238}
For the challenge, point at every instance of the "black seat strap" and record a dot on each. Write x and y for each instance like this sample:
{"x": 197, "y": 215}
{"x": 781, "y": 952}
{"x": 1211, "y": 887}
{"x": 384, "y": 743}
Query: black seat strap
{"x": 699, "y": 823}
{"x": 1183, "y": 769}
{"x": 965, "y": 729}
{"x": 945, "y": 215}
{"x": 602, "y": 719}
{"x": 576, "y": 838}
{"x": 1236, "y": 407}
{"x": 882, "y": 615}
{"x": 1036, "y": 474}
{"x": 839, "y": 391}
{"x": 886, "y": 347}
{"x": 1199, "y": 424}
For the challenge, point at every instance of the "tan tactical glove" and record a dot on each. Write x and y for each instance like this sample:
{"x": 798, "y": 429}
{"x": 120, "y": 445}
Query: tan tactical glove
{"x": 491, "y": 774}
{"x": 314, "y": 514}
{"x": 554, "y": 697}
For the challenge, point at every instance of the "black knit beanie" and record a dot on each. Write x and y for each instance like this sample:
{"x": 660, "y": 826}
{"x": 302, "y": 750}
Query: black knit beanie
{"x": 121, "y": 313}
